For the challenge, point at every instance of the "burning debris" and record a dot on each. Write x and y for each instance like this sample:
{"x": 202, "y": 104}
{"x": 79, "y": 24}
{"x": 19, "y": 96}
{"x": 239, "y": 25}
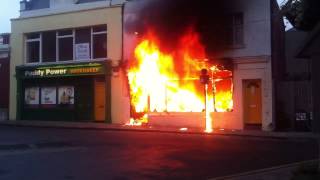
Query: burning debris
{"x": 164, "y": 68}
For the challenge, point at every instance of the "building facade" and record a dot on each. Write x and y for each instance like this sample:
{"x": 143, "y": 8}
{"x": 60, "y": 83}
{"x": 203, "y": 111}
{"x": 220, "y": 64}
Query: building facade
{"x": 67, "y": 64}
{"x": 255, "y": 51}
{"x": 65, "y": 60}
{"x": 4, "y": 75}
{"x": 310, "y": 52}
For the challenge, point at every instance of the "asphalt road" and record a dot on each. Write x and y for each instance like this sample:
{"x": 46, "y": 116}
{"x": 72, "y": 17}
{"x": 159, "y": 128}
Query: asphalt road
{"x": 54, "y": 154}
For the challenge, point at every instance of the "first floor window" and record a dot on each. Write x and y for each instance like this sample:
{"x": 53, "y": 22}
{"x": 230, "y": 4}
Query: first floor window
{"x": 33, "y": 51}
{"x": 99, "y": 46}
{"x": 65, "y": 49}
{"x": 33, "y": 45}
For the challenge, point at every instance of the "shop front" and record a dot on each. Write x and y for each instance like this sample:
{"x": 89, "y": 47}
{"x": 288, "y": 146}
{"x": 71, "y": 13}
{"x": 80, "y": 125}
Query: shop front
{"x": 71, "y": 92}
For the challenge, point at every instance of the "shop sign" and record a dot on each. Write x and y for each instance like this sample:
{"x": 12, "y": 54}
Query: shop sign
{"x": 63, "y": 71}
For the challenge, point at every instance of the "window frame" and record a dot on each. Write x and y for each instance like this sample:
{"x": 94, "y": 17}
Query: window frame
{"x": 58, "y": 37}
{"x": 92, "y": 39}
{"x": 234, "y": 27}
{"x": 26, "y": 48}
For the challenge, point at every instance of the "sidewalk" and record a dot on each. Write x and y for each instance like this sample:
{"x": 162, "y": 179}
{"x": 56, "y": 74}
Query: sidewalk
{"x": 118, "y": 127}
{"x": 283, "y": 172}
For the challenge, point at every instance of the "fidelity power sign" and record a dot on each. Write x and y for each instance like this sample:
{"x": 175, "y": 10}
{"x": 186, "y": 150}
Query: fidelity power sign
{"x": 73, "y": 70}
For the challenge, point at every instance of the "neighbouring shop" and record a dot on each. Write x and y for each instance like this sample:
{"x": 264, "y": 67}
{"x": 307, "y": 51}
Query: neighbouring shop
{"x": 70, "y": 92}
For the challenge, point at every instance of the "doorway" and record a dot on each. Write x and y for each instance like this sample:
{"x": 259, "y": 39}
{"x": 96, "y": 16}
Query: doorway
{"x": 100, "y": 100}
{"x": 252, "y": 104}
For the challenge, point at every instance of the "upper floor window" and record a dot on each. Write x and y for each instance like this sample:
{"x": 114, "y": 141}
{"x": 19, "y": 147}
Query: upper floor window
{"x": 234, "y": 30}
{"x": 67, "y": 45}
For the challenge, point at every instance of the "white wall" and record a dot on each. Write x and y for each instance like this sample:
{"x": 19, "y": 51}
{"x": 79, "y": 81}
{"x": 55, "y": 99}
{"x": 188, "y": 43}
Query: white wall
{"x": 257, "y": 28}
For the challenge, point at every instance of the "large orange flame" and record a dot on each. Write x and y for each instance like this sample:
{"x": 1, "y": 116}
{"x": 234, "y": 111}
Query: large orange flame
{"x": 162, "y": 81}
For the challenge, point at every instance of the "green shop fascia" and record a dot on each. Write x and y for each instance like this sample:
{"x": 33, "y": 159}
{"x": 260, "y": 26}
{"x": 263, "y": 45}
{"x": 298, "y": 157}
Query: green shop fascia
{"x": 63, "y": 92}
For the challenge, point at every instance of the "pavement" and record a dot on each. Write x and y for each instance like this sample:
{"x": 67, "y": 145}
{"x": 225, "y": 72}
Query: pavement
{"x": 283, "y": 172}
{"x": 146, "y": 128}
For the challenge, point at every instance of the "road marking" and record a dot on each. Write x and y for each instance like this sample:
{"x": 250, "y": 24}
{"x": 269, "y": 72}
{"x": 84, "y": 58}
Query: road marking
{"x": 265, "y": 170}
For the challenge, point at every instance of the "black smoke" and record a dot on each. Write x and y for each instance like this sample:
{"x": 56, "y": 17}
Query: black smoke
{"x": 171, "y": 18}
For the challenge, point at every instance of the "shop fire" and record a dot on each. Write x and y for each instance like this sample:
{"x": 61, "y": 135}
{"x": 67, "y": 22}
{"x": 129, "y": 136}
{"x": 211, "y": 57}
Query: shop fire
{"x": 172, "y": 49}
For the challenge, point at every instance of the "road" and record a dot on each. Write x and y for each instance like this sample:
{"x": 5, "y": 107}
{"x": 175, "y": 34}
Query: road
{"x": 53, "y": 154}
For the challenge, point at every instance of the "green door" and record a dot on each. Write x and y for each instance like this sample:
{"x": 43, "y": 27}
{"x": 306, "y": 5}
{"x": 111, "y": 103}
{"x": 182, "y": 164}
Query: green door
{"x": 84, "y": 101}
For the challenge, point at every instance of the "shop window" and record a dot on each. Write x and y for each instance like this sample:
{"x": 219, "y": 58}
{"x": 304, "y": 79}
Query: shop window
{"x": 49, "y": 46}
{"x": 31, "y": 96}
{"x": 66, "y": 95}
{"x": 48, "y": 96}
{"x": 33, "y": 47}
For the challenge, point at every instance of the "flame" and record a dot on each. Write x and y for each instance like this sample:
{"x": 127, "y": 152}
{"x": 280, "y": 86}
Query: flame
{"x": 168, "y": 81}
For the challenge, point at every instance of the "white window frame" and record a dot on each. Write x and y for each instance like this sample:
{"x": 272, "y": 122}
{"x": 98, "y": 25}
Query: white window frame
{"x": 98, "y": 33}
{"x": 58, "y": 37}
{"x": 26, "y": 49}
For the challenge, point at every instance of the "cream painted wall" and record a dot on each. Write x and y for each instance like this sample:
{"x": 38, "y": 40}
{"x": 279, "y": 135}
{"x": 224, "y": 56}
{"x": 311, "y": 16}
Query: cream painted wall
{"x": 248, "y": 68}
{"x": 112, "y": 16}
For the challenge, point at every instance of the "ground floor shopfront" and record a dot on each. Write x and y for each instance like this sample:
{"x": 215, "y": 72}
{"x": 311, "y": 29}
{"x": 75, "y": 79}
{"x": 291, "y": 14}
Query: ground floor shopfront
{"x": 252, "y": 101}
{"x": 70, "y": 92}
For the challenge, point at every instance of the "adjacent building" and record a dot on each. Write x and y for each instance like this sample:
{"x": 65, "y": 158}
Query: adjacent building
{"x": 4, "y": 75}
{"x": 294, "y": 93}
{"x": 310, "y": 51}
{"x": 65, "y": 61}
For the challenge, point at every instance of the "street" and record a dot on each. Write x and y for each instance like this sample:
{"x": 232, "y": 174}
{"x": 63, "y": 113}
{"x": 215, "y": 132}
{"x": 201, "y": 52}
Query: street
{"x": 53, "y": 154}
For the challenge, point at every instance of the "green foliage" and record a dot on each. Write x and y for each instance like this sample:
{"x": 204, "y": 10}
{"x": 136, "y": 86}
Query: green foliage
{"x": 302, "y": 14}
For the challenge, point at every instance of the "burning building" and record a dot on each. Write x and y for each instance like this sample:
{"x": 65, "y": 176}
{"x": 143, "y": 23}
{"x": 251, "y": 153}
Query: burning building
{"x": 183, "y": 63}
{"x": 206, "y": 65}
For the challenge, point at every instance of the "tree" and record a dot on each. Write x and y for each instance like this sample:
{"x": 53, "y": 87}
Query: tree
{"x": 302, "y": 14}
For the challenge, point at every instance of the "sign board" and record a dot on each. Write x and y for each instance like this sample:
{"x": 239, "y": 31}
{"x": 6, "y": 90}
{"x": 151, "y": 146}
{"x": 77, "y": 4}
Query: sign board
{"x": 82, "y": 51}
{"x": 63, "y": 70}
{"x": 48, "y": 95}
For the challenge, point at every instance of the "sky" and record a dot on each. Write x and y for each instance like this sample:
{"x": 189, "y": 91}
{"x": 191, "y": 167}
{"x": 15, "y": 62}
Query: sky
{"x": 10, "y": 9}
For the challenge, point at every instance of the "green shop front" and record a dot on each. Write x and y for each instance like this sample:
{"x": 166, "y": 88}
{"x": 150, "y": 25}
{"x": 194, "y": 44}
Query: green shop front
{"x": 70, "y": 92}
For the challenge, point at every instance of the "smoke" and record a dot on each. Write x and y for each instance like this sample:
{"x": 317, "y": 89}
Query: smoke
{"x": 171, "y": 18}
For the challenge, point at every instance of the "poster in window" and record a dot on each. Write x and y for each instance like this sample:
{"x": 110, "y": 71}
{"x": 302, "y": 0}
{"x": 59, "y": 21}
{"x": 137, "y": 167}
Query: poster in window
{"x": 31, "y": 96}
{"x": 82, "y": 51}
{"x": 66, "y": 95}
{"x": 48, "y": 96}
